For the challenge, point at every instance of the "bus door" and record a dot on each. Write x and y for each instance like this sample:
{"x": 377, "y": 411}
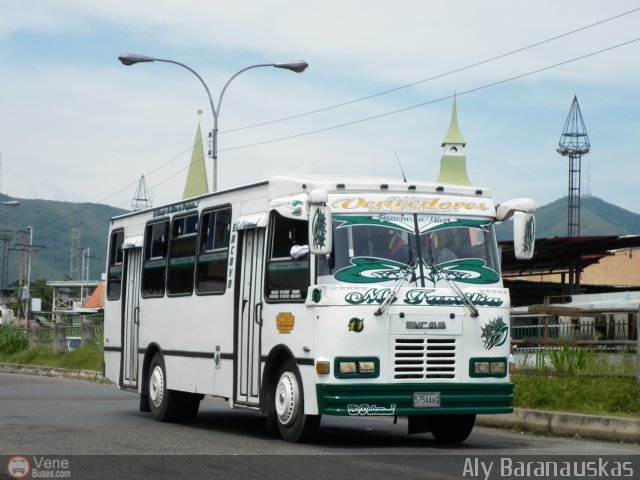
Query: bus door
{"x": 130, "y": 316}
{"x": 249, "y": 316}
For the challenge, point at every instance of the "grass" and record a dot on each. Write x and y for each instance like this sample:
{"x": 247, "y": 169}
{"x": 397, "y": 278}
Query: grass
{"x": 616, "y": 396}
{"x": 580, "y": 380}
{"x": 87, "y": 357}
{"x": 12, "y": 340}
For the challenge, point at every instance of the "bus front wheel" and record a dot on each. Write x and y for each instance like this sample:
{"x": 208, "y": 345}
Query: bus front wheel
{"x": 451, "y": 428}
{"x": 294, "y": 425}
{"x": 165, "y": 404}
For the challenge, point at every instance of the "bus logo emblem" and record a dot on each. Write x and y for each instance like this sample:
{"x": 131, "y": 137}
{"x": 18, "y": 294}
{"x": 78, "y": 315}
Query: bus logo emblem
{"x": 285, "y": 322}
{"x": 356, "y": 325}
{"x": 494, "y": 333}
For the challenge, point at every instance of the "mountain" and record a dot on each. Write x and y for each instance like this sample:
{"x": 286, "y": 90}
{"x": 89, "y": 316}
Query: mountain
{"x": 54, "y": 224}
{"x": 597, "y": 217}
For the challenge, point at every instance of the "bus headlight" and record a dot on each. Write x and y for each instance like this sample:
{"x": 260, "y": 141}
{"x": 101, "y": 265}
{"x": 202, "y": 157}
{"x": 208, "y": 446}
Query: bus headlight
{"x": 357, "y": 367}
{"x": 488, "y": 367}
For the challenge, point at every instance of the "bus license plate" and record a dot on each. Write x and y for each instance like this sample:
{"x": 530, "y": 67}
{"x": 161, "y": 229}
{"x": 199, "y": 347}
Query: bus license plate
{"x": 426, "y": 399}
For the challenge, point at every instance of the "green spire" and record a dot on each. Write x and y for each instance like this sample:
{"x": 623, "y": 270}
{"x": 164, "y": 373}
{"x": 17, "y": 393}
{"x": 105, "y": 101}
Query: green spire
{"x": 453, "y": 135}
{"x": 197, "y": 177}
{"x": 453, "y": 164}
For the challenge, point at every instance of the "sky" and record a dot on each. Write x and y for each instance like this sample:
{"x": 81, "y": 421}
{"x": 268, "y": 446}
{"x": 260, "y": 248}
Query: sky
{"x": 77, "y": 125}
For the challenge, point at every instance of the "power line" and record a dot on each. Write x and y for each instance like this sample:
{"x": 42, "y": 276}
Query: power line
{"x": 435, "y": 77}
{"x": 393, "y": 112}
{"x": 451, "y": 72}
{"x": 333, "y": 127}
{"x": 412, "y": 107}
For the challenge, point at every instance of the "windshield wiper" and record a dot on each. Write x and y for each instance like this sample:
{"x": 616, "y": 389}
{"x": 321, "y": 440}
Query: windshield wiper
{"x": 454, "y": 286}
{"x": 439, "y": 272}
{"x": 408, "y": 271}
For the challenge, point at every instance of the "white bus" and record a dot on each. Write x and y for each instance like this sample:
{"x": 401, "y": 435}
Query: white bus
{"x": 302, "y": 297}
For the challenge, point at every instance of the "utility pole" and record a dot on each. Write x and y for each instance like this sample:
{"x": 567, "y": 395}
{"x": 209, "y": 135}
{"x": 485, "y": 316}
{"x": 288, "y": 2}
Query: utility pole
{"x": 26, "y": 251}
{"x": 6, "y": 234}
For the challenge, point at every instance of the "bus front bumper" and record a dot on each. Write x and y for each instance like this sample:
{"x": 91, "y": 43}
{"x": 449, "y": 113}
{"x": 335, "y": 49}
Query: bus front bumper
{"x": 414, "y": 399}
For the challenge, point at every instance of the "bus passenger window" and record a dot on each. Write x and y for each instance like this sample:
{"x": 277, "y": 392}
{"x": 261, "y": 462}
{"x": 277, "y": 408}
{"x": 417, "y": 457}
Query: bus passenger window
{"x": 155, "y": 259}
{"x": 213, "y": 253}
{"x": 287, "y": 277}
{"x": 114, "y": 275}
{"x": 182, "y": 254}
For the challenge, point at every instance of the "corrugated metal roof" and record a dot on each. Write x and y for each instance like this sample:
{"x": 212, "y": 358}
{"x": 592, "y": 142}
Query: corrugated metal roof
{"x": 556, "y": 255}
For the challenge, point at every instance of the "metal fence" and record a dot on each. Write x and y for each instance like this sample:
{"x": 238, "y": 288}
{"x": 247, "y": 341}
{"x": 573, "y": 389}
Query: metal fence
{"x": 600, "y": 345}
{"x": 65, "y": 332}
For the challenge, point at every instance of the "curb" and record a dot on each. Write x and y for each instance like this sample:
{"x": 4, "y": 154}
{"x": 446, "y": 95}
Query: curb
{"x": 613, "y": 429}
{"x": 559, "y": 424}
{"x": 89, "y": 375}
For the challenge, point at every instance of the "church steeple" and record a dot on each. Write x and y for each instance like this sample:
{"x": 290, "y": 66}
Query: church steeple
{"x": 196, "y": 183}
{"x": 453, "y": 141}
{"x": 453, "y": 163}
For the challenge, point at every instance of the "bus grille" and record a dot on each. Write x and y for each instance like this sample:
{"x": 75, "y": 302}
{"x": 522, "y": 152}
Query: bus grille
{"x": 424, "y": 358}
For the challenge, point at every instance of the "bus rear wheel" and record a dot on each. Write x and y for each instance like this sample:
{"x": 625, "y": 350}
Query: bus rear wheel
{"x": 165, "y": 404}
{"x": 288, "y": 396}
{"x": 451, "y": 428}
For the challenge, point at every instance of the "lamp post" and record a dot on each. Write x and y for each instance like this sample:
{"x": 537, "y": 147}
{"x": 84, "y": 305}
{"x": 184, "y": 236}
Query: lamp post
{"x": 297, "y": 66}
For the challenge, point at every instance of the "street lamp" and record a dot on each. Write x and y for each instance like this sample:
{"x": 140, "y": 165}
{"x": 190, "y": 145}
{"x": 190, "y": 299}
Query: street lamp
{"x": 297, "y": 66}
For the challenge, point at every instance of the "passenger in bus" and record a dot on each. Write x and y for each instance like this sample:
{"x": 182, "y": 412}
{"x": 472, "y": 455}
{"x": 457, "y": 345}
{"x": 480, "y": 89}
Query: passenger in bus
{"x": 438, "y": 247}
{"x": 299, "y": 251}
{"x": 398, "y": 247}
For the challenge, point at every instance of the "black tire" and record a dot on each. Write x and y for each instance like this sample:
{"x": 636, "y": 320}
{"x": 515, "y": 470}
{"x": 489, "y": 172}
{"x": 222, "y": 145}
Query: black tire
{"x": 288, "y": 406}
{"x": 165, "y": 404}
{"x": 451, "y": 428}
{"x": 144, "y": 403}
{"x": 189, "y": 406}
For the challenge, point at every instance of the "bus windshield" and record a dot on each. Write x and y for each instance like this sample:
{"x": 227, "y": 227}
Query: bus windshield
{"x": 381, "y": 247}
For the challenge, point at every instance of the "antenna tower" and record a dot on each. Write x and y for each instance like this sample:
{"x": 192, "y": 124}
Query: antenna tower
{"x": 141, "y": 199}
{"x": 574, "y": 142}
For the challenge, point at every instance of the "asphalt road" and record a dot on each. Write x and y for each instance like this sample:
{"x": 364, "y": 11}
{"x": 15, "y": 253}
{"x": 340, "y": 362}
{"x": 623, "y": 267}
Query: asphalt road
{"x": 101, "y": 433}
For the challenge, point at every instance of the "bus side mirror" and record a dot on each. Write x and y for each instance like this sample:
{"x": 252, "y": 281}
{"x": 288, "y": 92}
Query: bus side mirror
{"x": 320, "y": 231}
{"x": 524, "y": 235}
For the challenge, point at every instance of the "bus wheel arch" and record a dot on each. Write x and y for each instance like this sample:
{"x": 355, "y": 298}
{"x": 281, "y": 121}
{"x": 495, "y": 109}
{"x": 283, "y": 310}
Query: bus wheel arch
{"x": 288, "y": 399}
{"x": 277, "y": 356}
{"x": 167, "y": 405}
{"x": 144, "y": 376}
{"x": 284, "y": 398}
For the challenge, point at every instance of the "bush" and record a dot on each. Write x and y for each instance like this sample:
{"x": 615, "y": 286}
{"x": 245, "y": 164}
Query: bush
{"x": 12, "y": 340}
{"x": 569, "y": 359}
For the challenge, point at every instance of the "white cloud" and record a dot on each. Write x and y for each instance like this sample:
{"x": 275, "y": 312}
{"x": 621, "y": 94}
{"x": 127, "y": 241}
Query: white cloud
{"x": 76, "y": 125}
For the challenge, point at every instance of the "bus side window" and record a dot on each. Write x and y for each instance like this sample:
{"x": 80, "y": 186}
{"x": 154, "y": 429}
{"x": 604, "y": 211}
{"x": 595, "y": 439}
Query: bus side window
{"x": 182, "y": 255}
{"x": 287, "y": 277}
{"x": 154, "y": 267}
{"x": 114, "y": 275}
{"x": 213, "y": 253}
